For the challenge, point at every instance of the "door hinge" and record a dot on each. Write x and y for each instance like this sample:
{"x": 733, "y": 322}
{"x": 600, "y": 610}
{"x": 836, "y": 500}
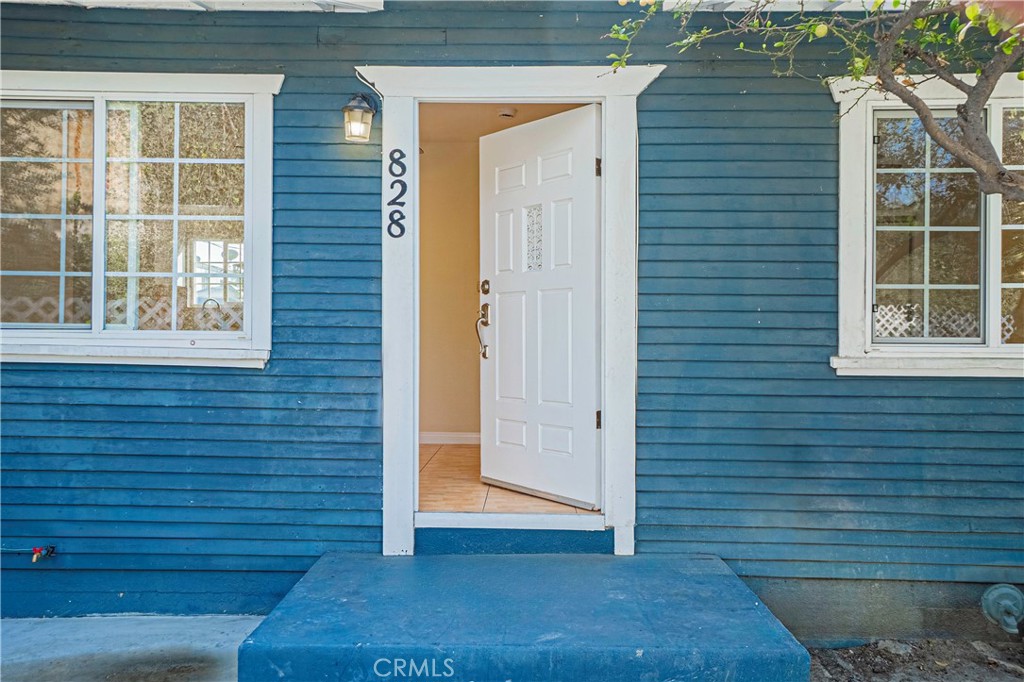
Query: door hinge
{"x": 597, "y": 167}
{"x": 598, "y": 419}
{"x": 877, "y": 139}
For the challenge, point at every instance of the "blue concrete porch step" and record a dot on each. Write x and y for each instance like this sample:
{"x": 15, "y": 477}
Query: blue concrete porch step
{"x": 524, "y": 618}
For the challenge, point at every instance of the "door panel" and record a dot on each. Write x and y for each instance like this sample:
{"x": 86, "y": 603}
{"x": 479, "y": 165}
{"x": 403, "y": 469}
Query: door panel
{"x": 539, "y": 249}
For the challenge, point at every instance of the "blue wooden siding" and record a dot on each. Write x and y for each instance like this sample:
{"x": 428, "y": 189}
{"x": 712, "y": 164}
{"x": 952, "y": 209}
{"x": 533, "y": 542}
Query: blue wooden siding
{"x": 198, "y": 489}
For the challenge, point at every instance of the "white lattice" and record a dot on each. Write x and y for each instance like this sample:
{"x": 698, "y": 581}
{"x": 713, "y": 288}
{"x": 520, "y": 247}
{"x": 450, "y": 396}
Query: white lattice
{"x": 31, "y": 310}
{"x": 155, "y": 313}
{"x": 45, "y": 310}
{"x": 228, "y": 317}
{"x": 1006, "y": 327}
{"x": 906, "y": 321}
{"x": 954, "y": 324}
{"x": 899, "y": 321}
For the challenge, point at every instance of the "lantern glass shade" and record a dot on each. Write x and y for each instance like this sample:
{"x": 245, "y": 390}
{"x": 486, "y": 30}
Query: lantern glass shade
{"x": 358, "y": 119}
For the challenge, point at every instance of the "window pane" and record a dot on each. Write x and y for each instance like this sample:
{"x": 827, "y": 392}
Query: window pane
{"x": 1013, "y": 257}
{"x": 30, "y": 300}
{"x": 940, "y": 158}
{"x": 140, "y": 246}
{"x": 211, "y": 189}
{"x": 139, "y": 302}
{"x": 215, "y": 305}
{"x": 31, "y": 132}
{"x": 211, "y": 248}
{"x": 955, "y": 200}
{"x": 1013, "y": 316}
{"x": 77, "y": 300}
{"x": 954, "y": 314}
{"x": 29, "y": 244}
{"x": 78, "y": 246}
{"x": 31, "y": 187}
{"x": 901, "y": 143}
{"x": 140, "y": 188}
{"x": 212, "y": 131}
{"x": 1013, "y": 137}
{"x": 900, "y": 314}
{"x": 140, "y": 130}
{"x": 899, "y": 257}
{"x": 954, "y": 258}
{"x": 48, "y": 185}
{"x": 1013, "y": 212}
{"x": 899, "y": 199}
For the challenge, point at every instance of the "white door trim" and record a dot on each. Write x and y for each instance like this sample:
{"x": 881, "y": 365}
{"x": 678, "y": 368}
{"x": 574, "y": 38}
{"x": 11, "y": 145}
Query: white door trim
{"x": 401, "y": 88}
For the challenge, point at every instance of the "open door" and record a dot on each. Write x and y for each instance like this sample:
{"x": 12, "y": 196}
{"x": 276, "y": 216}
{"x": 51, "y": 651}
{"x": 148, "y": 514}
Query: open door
{"x": 538, "y": 325}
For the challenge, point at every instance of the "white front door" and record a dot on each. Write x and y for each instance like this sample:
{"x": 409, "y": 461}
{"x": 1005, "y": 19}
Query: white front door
{"x": 539, "y": 240}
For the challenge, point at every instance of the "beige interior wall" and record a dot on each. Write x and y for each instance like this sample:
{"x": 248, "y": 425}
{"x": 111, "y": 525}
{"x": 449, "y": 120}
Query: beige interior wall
{"x": 449, "y": 265}
{"x": 449, "y": 256}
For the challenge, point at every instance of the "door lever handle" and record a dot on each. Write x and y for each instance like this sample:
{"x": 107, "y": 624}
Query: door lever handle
{"x": 483, "y": 320}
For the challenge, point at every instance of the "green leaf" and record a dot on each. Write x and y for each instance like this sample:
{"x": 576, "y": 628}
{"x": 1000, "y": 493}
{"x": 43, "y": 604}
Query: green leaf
{"x": 741, "y": 46}
{"x": 895, "y": 4}
{"x": 1020, "y": 75}
{"x": 878, "y": 4}
{"x": 993, "y": 25}
{"x": 972, "y": 11}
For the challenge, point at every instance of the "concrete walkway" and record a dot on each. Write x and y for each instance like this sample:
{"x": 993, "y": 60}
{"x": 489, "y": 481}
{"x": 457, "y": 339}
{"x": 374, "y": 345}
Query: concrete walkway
{"x": 123, "y": 648}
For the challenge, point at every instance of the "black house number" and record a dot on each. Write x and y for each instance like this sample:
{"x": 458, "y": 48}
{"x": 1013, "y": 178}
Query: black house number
{"x": 396, "y": 169}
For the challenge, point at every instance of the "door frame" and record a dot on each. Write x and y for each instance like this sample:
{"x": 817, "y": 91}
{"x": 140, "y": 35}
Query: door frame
{"x": 402, "y": 88}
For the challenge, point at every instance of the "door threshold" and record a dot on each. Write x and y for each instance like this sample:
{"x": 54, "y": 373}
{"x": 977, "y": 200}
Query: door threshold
{"x": 519, "y": 521}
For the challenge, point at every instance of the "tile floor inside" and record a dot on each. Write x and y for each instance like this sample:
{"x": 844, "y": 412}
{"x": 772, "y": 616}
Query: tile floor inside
{"x": 450, "y": 482}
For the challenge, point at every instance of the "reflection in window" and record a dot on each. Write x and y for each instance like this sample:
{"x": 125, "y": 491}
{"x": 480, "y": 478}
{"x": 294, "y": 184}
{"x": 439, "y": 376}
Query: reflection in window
{"x": 46, "y": 186}
{"x": 1012, "y": 235}
{"x": 927, "y": 259}
{"x": 175, "y": 216}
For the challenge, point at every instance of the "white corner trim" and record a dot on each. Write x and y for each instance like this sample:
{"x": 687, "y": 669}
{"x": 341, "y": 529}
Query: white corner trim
{"x": 115, "y": 81}
{"x": 515, "y": 521}
{"x": 449, "y": 438}
{"x": 863, "y": 90}
{"x": 516, "y": 82}
{"x": 1008, "y": 366}
{"x": 401, "y": 89}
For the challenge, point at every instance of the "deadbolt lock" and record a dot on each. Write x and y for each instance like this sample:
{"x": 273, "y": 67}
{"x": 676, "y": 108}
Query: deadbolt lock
{"x": 485, "y": 287}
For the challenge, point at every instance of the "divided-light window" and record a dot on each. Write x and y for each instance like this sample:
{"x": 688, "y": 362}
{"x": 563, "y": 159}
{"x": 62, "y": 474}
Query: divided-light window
{"x": 136, "y": 219}
{"x": 931, "y": 270}
{"x": 930, "y": 222}
{"x": 174, "y": 198}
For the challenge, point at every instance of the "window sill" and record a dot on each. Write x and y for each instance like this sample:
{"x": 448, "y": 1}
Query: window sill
{"x": 1009, "y": 364}
{"x": 135, "y": 355}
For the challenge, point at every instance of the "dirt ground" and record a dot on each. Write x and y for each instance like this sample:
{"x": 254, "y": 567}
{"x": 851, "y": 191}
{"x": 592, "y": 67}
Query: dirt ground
{"x": 926, "y": 660}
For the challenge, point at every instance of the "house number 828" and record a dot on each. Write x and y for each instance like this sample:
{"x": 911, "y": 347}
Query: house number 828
{"x": 396, "y": 169}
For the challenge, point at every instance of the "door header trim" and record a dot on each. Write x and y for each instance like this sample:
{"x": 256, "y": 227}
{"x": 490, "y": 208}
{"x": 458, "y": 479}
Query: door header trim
{"x": 550, "y": 83}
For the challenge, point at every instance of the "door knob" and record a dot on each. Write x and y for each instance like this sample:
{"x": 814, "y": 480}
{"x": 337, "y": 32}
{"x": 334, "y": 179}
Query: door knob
{"x": 483, "y": 320}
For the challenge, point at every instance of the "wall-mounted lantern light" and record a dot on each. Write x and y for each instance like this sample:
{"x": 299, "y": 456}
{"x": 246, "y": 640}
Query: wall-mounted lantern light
{"x": 359, "y": 118}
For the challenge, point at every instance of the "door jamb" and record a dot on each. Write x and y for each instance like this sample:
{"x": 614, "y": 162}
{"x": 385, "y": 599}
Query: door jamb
{"x": 401, "y": 88}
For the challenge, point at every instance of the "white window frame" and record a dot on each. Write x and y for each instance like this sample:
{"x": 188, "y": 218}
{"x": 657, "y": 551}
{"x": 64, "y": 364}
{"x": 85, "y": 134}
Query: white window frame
{"x": 858, "y": 353}
{"x": 249, "y": 348}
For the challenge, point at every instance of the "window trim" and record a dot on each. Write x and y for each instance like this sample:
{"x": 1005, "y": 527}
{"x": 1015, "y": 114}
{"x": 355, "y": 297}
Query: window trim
{"x": 857, "y": 353}
{"x": 221, "y": 349}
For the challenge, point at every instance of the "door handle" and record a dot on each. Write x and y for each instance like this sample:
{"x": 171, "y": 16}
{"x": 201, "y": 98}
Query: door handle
{"x": 483, "y": 320}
